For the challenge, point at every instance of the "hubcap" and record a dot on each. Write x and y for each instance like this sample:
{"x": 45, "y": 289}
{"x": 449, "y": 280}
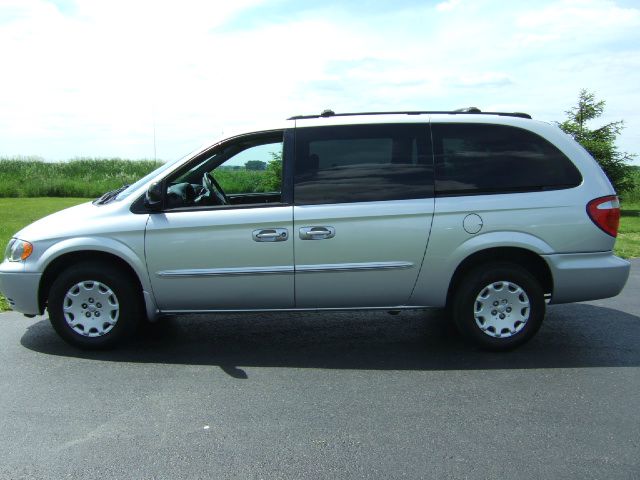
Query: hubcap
{"x": 91, "y": 308}
{"x": 502, "y": 309}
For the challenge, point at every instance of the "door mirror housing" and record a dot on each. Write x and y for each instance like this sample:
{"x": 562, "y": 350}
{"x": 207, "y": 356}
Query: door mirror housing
{"x": 154, "y": 197}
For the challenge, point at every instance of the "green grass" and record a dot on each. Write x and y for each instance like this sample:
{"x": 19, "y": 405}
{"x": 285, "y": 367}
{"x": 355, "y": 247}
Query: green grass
{"x": 85, "y": 177}
{"x": 245, "y": 181}
{"x": 4, "y": 305}
{"x": 17, "y": 213}
{"x": 628, "y": 242}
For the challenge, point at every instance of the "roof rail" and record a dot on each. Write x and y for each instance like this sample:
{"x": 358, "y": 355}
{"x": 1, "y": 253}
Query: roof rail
{"x": 462, "y": 111}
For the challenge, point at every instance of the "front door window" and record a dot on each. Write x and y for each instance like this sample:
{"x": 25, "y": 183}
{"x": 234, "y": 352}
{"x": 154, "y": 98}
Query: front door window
{"x": 243, "y": 172}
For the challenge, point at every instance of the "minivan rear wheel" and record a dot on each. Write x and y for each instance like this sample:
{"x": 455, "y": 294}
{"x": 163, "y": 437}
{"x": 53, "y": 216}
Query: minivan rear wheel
{"x": 93, "y": 305}
{"x": 499, "y": 306}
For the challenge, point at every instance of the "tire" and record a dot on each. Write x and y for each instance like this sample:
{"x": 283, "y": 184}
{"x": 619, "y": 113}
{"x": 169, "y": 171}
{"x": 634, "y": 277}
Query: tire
{"x": 94, "y": 305}
{"x": 499, "y": 306}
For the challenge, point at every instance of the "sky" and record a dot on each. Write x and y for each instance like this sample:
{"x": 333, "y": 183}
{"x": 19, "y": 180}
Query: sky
{"x": 98, "y": 78}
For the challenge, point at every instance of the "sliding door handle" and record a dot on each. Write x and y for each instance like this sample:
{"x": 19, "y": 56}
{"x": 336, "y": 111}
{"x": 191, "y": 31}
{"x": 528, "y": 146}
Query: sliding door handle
{"x": 317, "y": 233}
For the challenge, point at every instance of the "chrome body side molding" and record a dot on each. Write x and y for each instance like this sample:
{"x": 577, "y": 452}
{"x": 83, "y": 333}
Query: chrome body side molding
{"x": 225, "y": 272}
{"x": 352, "y": 267}
{"x": 280, "y": 269}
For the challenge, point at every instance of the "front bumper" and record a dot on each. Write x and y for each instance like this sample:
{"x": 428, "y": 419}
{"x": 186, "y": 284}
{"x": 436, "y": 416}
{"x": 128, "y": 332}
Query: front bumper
{"x": 586, "y": 276}
{"x": 21, "y": 290}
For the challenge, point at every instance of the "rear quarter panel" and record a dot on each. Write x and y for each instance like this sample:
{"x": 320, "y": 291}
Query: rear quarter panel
{"x": 544, "y": 222}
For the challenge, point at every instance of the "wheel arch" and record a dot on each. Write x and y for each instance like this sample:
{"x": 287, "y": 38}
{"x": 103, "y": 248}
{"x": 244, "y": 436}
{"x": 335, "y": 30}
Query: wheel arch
{"x": 528, "y": 259}
{"x": 65, "y": 260}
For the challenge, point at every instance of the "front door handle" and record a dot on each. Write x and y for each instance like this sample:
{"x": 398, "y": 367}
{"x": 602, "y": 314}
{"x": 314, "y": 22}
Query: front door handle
{"x": 317, "y": 233}
{"x": 270, "y": 235}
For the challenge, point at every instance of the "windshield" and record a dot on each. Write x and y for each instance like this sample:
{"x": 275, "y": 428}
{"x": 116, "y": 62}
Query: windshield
{"x": 135, "y": 186}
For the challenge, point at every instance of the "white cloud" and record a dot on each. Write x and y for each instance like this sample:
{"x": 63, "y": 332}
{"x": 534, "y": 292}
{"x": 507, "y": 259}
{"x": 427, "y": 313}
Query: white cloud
{"x": 94, "y": 81}
{"x": 580, "y": 15}
{"x": 584, "y": 22}
{"x": 448, "y": 5}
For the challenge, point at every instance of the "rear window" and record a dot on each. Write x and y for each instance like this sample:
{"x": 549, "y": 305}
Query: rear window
{"x": 477, "y": 159}
{"x": 361, "y": 163}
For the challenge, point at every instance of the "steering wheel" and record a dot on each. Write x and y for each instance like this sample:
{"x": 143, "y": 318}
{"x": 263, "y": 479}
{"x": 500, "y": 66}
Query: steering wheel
{"x": 213, "y": 189}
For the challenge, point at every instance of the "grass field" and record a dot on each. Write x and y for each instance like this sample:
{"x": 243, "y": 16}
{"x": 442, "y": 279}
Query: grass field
{"x": 28, "y": 177}
{"x": 628, "y": 242}
{"x": 16, "y": 213}
{"x": 91, "y": 177}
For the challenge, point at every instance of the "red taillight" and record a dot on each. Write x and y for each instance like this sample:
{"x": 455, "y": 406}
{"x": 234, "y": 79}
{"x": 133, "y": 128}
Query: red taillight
{"x": 605, "y": 213}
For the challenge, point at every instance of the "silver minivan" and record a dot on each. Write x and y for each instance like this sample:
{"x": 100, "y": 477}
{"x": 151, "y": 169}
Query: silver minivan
{"x": 492, "y": 215}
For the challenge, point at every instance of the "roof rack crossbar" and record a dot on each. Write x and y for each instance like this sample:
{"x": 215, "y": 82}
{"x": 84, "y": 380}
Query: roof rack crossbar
{"x": 462, "y": 111}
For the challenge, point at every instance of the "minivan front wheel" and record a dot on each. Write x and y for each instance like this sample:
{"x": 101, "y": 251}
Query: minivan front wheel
{"x": 93, "y": 305}
{"x": 499, "y": 306}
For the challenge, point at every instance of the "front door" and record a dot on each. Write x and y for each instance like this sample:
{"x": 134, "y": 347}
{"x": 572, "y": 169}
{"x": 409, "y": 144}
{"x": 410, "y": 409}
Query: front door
{"x": 223, "y": 241}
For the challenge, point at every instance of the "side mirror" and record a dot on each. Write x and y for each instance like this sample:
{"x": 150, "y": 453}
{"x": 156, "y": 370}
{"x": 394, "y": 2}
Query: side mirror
{"x": 153, "y": 197}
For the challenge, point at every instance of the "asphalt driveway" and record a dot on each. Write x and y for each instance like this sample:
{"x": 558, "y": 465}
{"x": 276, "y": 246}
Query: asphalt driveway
{"x": 332, "y": 395}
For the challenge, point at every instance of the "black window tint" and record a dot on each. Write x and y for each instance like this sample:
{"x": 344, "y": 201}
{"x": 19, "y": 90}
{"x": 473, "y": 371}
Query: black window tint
{"x": 497, "y": 158}
{"x": 362, "y": 163}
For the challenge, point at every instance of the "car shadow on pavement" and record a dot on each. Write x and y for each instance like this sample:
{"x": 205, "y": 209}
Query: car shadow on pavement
{"x": 573, "y": 336}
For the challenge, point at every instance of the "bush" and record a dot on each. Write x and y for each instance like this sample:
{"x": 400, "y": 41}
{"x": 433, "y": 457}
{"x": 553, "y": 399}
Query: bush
{"x": 82, "y": 177}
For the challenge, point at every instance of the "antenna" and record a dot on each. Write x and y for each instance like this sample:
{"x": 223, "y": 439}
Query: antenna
{"x": 153, "y": 119}
{"x": 155, "y": 159}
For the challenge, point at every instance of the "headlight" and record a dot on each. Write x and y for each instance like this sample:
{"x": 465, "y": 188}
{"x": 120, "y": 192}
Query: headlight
{"x": 18, "y": 250}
